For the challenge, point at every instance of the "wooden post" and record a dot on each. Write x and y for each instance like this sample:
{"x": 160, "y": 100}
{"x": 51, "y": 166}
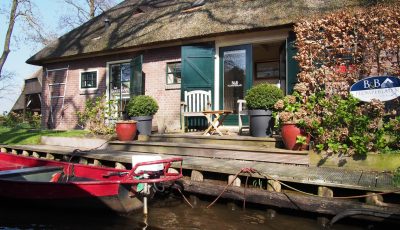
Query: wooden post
{"x": 66, "y": 158}
{"x": 96, "y": 162}
{"x": 273, "y": 186}
{"x": 50, "y": 156}
{"x": 236, "y": 181}
{"x": 119, "y": 166}
{"x": 83, "y": 160}
{"x": 25, "y": 153}
{"x": 324, "y": 192}
{"x": 196, "y": 176}
{"x": 172, "y": 170}
{"x": 375, "y": 199}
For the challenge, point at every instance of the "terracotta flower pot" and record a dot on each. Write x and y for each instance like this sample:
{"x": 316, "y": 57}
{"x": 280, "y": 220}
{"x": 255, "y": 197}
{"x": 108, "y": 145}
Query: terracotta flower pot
{"x": 126, "y": 130}
{"x": 289, "y": 134}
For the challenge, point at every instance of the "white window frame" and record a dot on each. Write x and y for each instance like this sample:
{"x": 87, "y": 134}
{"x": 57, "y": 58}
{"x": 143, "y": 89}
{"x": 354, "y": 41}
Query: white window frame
{"x": 80, "y": 79}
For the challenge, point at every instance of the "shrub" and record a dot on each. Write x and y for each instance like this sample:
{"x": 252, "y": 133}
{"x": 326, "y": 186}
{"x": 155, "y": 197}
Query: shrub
{"x": 142, "y": 105}
{"x": 263, "y": 96}
{"x": 94, "y": 117}
{"x": 13, "y": 119}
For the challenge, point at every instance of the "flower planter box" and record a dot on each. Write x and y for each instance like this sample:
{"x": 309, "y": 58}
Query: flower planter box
{"x": 372, "y": 162}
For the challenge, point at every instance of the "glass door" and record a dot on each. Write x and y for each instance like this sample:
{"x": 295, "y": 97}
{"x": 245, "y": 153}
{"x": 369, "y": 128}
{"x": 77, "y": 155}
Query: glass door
{"x": 120, "y": 79}
{"x": 235, "y": 78}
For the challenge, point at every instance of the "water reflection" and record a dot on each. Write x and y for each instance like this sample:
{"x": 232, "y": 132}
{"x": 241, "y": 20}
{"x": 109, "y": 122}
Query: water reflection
{"x": 169, "y": 213}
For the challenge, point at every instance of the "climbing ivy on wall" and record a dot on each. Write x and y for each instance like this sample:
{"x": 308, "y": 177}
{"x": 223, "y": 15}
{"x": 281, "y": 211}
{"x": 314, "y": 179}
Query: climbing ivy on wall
{"x": 335, "y": 51}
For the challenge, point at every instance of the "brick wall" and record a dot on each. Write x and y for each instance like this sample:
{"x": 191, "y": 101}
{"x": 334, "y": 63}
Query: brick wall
{"x": 154, "y": 69}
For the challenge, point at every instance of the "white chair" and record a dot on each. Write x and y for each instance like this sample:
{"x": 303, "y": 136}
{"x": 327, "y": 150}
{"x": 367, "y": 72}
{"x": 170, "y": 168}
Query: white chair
{"x": 194, "y": 103}
{"x": 242, "y": 111}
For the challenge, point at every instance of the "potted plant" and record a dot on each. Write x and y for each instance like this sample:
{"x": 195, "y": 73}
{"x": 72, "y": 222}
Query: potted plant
{"x": 126, "y": 130}
{"x": 141, "y": 109}
{"x": 260, "y": 101}
{"x": 293, "y": 120}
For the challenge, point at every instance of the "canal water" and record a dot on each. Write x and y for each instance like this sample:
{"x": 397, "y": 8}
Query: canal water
{"x": 174, "y": 213}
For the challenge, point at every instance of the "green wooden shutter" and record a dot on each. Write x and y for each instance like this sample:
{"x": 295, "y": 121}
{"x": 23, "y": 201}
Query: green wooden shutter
{"x": 136, "y": 76}
{"x": 198, "y": 74}
{"x": 292, "y": 65}
{"x": 198, "y": 67}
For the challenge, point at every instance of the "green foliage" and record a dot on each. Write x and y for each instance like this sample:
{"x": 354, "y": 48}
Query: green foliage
{"x": 263, "y": 96}
{"x": 347, "y": 125}
{"x": 94, "y": 117}
{"x": 302, "y": 140}
{"x": 13, "y": 119}
{"x": 142, "y": 105}
{"x": 396, "y": 177}
{"x": 16, "y": 120}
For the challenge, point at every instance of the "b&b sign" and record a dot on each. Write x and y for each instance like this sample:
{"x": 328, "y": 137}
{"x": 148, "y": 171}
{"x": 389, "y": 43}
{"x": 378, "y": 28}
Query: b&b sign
{"x": 383, "y": 88}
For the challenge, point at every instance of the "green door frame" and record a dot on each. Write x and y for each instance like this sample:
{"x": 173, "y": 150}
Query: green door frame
{"x": 233, "y": 118}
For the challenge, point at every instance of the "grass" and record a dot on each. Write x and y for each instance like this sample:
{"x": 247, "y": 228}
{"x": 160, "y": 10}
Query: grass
{"x": 19, "y": 136}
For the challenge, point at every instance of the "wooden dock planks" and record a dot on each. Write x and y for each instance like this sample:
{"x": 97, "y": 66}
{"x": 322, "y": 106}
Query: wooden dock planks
{"x": 225, "y": 164}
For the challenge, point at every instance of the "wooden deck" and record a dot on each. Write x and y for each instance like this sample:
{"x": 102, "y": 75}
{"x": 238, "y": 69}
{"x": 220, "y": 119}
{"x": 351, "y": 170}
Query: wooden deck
{"x": 230, "y": 163}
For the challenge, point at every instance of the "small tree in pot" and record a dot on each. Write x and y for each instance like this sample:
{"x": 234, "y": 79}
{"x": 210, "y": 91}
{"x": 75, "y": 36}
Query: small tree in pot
{"x": 260, "y": 101}
{"x": 141, "y": 109}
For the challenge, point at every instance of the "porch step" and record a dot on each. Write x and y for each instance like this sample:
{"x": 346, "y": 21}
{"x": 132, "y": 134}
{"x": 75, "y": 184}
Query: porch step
{"x": 268, "y": 142}
{"x": 237, "y": 152}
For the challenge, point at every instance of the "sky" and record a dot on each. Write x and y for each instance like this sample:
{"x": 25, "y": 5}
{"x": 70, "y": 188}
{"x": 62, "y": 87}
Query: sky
{"x": 49, "y": 11}
{"x": 21, "y": 50}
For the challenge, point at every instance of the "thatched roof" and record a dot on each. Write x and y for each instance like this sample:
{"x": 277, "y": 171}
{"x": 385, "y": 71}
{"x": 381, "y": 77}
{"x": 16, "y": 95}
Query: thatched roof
{"x": 138, "y": 23}
{"x": 32, "y": 85}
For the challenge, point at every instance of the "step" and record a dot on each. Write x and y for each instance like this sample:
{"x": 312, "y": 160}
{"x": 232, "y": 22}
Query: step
{"x": 252, "y": 153}
{"x": 270, "y": 142}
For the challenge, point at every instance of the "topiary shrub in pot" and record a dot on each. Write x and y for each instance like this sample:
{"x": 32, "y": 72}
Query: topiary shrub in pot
{"x": 260, "y": 101}
{"x": 141, "y": 109}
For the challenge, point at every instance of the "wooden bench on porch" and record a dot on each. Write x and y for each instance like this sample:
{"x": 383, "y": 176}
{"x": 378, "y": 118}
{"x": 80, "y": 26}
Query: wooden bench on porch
{"x": 194, "y": 103}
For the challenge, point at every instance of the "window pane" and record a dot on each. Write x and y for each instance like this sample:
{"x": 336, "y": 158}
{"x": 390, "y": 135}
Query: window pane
{"x": 234, "y": 77}
{"x": 174, "y": 73}
{"x": 89, "y": 80}
{"x": 115, "y": 76}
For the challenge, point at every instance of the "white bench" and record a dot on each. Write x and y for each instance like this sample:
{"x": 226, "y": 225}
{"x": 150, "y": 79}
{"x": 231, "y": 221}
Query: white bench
{"x": 242, "y": 111}
{"x": 194, "y": 103}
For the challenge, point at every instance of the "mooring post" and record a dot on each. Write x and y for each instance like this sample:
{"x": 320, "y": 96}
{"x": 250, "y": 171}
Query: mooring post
{"x": 83, "y": 161}
{"x": 273, "y": 186}
{"x": 25, "y": 153}
{"x": 196, "y": 176}
{"x": 14, "y": 151}
{"x": 375, "y": 199}
{"x": 234, "y": 181}
{"x": 96, "y": 162}
{"x": 50, "y": 156}
{"x": 119, "y": 165}
{"x": 324, "y": 192}
{"x": 3, "y": 150}
{"x": 35, "y": 154}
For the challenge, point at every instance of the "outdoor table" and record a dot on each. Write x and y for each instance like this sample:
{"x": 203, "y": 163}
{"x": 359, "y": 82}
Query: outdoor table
{"x": 215, "y": 119}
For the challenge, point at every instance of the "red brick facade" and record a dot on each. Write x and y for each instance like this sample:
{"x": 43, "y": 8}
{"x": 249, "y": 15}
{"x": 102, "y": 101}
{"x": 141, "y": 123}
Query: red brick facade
{"x": 154, "y": 69}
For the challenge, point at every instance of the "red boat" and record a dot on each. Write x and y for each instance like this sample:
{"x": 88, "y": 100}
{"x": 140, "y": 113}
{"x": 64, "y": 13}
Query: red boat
{"x": 47, "y": 182}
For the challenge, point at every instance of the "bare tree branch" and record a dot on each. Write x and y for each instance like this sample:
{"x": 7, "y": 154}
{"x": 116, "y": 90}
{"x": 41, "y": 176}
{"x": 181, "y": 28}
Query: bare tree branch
{"x": 6, "y": 49}
{"x": 85, "y": 10}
